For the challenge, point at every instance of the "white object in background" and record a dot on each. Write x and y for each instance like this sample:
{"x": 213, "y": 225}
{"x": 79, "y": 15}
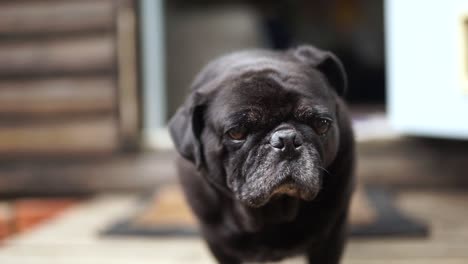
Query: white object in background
{"x": 427, "y": 67}
{"x": 373, "y": 127}
{"x": 153, "y": 70}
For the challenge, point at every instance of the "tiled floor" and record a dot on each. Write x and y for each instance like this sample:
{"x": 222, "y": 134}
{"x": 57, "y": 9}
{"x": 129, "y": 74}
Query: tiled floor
{"x": 73, "y": 237}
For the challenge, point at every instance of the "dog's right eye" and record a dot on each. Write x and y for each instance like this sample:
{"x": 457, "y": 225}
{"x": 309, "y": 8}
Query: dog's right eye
{"x": 237, "y": 133}
{"x": 322, "y": 125}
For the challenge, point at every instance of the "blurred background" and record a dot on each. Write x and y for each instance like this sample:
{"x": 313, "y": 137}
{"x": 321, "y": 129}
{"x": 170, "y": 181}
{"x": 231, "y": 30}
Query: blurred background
{"x": 87, "y": 88}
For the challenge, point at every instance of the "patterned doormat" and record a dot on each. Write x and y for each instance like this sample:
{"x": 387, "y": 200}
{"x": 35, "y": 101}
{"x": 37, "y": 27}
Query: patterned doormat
{"x": 165, "y": 213}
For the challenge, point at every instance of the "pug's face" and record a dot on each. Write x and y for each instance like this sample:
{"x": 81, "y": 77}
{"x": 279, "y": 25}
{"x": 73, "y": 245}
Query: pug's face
{"x": 268, "y": 128}
{"x": 276, "y": 135}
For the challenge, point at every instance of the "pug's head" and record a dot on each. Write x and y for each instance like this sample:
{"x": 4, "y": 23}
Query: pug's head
{"x": 263, "y": 124}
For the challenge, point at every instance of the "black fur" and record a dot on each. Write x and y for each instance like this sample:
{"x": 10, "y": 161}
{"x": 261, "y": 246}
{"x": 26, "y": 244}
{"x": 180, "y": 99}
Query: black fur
{"x": 256, "y": 198}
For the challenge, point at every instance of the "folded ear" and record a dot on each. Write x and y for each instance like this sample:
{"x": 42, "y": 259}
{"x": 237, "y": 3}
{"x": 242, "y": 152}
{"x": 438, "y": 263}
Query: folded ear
{"x": 327, "y": 63}
{"x": 185, "y": 128}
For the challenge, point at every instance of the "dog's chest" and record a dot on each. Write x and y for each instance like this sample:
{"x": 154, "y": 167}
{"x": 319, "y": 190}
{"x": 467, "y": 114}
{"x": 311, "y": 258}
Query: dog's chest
{"x": 260, "y": 247}
{"x": 270, "y": 243}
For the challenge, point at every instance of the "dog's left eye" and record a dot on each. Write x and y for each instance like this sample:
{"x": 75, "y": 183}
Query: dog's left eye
{"x": 237, "y": 133}
{"x": 322, "y": 125}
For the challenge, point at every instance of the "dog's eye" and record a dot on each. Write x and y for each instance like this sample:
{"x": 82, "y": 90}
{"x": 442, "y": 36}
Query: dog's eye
{"x": 322, "y": 125}
{"x": 237, "y": 133}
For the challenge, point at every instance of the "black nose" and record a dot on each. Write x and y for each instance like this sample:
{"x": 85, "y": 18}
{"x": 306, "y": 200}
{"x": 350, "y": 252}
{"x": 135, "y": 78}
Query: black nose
{"x": 285, "y": 139}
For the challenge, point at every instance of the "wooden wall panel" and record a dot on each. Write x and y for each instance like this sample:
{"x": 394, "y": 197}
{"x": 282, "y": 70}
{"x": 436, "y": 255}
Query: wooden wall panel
{"x": 60, "y": 56}
{"x": 59, "y": 16}
{"x": 58, "y": 78}
{"x": 57, "y": 96}
{"x": 69, "y": 101}
{"x": 128, "y": 99}
{"x": 65, "y": 137}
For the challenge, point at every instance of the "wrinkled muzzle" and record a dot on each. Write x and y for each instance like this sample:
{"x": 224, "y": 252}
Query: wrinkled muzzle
{"x": 269, "y": 172}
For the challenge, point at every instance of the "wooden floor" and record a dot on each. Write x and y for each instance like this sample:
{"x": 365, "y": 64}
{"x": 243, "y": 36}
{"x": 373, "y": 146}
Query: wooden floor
{"x": 73, "y": 238}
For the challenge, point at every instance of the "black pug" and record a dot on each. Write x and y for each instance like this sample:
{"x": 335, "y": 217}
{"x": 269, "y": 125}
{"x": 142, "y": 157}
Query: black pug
{"x": 269, "y": 155}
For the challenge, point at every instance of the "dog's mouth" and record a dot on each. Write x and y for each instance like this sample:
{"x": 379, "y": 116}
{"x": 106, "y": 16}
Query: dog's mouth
{"x": 286, "y": 189}
{"x": 292, "y": 190}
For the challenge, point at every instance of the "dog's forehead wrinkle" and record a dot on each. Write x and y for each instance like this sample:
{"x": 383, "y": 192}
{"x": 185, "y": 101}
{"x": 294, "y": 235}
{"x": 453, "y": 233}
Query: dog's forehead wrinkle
{"x": 267, "y": 106}
{"x": 275, "y": 66}
{"x": 309, "y": 109}
{"x": 283, "y": 76}
{"x": 261, "y": 105}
